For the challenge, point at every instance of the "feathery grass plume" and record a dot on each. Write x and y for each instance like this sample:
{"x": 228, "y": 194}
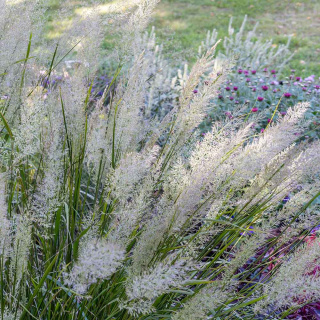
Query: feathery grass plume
{"x": 274, "y": 145}
{"x": 133, "y": 183}
{"x": 47, "y": 198}
{"x": 22, "y": 25}
{"x": 131, "y": 31}
{"x": 21, "y": 251}
{"x": 126, "y": 119}
{"x": 303, "y": 193}
{"x": 206, "y": 300}
{"x": 17, "y": 19}
{"x": 188, "y": 98}
{"x": 296, "y": 282}
{"x": 193, "y": 102}
{"x": 294, "y": 164}
{"x": 7, "y": 315}
{"x": 88, "y": 47}
{"x": 208, "y": 173}
{"x": 129, "y": 121}
{"x": 119, "y": 128}
{"x": 294, "y": 208}
{"x": 98, "y": 260}
{"x": 5, "y": 227}
{"x": 247, "y": 248}
{"x": 142, "y": 290}
{"x": 73, "y": 95}
{"x": 128, "y": 177}
{"x": 28, "y": 131}
{"x": 78, "y": 28}
{"x": 98, "y": 148}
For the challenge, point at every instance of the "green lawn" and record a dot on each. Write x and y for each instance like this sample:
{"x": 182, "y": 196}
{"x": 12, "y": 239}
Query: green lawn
{"x": 182, "y": 25}
{"x": 188, "y": 20}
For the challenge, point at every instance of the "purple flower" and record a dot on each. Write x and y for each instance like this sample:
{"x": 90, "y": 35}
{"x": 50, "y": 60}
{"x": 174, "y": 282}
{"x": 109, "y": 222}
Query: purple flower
{"x": 273, "y": 71}
{"x": 304, "y": 89}
{"x": 248, "y": 80}
{"x": 274, "y": 82}
{"x": 251, "y": 232}
{"x": 260, "y": 99}
{"x": 286, "y": 199}
{"x": 310, "y": 78}
{"x": 317, "y": 87}
{"x": 220, "y": 96}
{"x": 262, "y": 130}
{"x": 254, "y": 109}
{"x": 269, "y": 120}
{"x": 265, "y": 70}
{"x": 231, "y": 98}
{"x": 235, "y": 88}
{"x": 236, "y": 102}
{"x": 254, "y": 89}
{"x": 283, "y": 113}
{"x": 253, "y": 71}
{"x": 287, "y": 95}
{"x": 195, "y": 91}
{"x": 240, "y": 71}
{"x": 264, "y": 88}
{"x": 293, "y": 71}
{"x": 228, "y": 114}
{"x": 274, "y": 90}
{"x": 298, "y": 78}
{"x": 248, "y": 232}
{"x": 228, "y": 88}
{"x": 315, "y": 229}
{"x": 246, "y": 72}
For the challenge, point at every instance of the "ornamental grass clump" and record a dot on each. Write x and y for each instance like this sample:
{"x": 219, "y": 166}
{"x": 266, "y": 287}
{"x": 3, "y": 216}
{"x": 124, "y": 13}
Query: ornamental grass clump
{"x": 109, "y": 210}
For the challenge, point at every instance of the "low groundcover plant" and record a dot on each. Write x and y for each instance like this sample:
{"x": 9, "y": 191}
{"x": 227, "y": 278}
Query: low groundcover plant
{"x": 262, "y": 91}
{"x": 110, "y": 210}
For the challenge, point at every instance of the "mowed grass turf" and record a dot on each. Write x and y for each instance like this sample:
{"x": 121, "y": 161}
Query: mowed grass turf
{"x": 188, "y": 21}
{"x": 182, "y": 24}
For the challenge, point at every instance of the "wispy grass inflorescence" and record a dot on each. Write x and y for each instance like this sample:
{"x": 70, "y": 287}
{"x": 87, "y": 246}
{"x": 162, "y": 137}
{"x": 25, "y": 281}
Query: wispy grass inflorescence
{"x": 296, "y": 283}
{"x": 4, "y": 221}
{"x": 114, "y": 206}
{"x": 98, "y": 260}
